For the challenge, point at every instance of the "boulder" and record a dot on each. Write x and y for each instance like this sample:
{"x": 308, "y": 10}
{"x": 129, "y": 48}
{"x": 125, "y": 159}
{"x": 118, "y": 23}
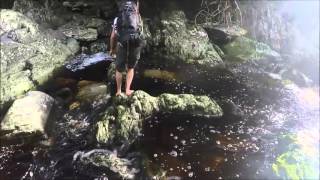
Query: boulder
{"x": 123, "y": 120}
{"x": 47, "y": 13}
{"x": 75, "y": 6}
{"x": 28, "y": 56}
{"x": 73, "y": 45}
{"x": 121, "y": 168}
{"x": 92, "y": 92}
{"x": 28, "y": 114}
{"x": 188, "y": 103}
{"x": 84, "y": 61}
{"x": 220, "y": 34}
{"x": 178, "y": 42}
{"x": 81, "y": 33}
{"x": 244, "y": 49}
{"x": 83, "y": 28}
{"x": 98, "y": 46}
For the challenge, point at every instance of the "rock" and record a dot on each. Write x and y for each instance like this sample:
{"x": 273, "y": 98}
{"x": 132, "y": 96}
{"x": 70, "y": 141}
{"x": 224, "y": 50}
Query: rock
{"x": 221, "y": 34}
{"x": 102, "y": 158}
{"x": 98, "y": 46}
{"x": 44, "y": 13}
{"x": 180, "y": 43}
{"x": 84, "y": 61}
{"x": 187, "y": 103}
{"x": 81, "y": 33}
{"x": 92, "y": 92}
{"x": 296, "y": 76}
{"x": 108, "y": 10}
{"x": 244, "y": 49}
{"x": 83, "y": 83}
{"x": 160, "y": 74}
{"x": 299, "y": 158}
{"x": 123, "y": 120}
{"x": 83, "y": 28}
{"x": 73, "y": 45}
{"x": 28, "y": 114}
{"x": 75, "y": 6}
{"x": 29, "y": 58}
{"x": 1, "y": 32}
{"x": 11, "y": 20}
{"x": 111, "y": 76}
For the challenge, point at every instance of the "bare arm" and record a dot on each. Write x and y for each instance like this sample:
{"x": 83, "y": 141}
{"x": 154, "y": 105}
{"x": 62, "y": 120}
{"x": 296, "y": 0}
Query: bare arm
{"x": 138, "y": 6}
{"x": 113, "y": 43}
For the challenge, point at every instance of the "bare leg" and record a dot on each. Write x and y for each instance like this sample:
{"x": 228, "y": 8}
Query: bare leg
{"x": 119, "y": 82}
{"x": 129, "y": 79}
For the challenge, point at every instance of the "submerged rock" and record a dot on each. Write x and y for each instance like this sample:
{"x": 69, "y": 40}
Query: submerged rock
{"x": 101, "y": 158}
{"x": 30, "y": 57}
{"x": 122, "y": 122}
{"x": 28, "y": 114}
{"x": 181, "y": 43}
{"x": 244, "y": 49}
{"x": 92, "y": 92}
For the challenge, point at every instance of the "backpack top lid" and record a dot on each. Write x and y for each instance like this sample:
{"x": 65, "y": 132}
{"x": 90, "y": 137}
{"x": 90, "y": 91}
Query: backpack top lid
{"x": 127, "y": 6}
{"x": 129, "y": 18}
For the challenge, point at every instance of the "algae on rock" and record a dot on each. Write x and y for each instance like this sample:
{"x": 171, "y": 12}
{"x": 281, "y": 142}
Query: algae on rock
{"x": 244, "y": 49}
{"x": 181, "y": 43}
{"x": 29, "y": 57}
{"x": 122, "y": 122}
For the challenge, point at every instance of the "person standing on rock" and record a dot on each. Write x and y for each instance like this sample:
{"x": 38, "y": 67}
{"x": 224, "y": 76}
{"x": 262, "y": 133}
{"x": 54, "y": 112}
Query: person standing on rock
{"x": 126, "y": 43}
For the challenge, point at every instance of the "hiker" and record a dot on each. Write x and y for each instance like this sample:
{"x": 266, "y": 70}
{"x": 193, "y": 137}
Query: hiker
{"x": 126, "y": 43}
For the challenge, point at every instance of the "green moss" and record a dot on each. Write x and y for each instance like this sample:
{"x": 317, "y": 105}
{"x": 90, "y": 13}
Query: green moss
{"x": 190, "y": 104}
{"x": 295, "y": 165}
{"x": 243, "y": 49}
{"x": 102, "y": 134}
{"x": 287, "y": 82}
{"x": 181, "y": 43}
{"x": 31, "y": 60}
{"x": 127, "y": 113}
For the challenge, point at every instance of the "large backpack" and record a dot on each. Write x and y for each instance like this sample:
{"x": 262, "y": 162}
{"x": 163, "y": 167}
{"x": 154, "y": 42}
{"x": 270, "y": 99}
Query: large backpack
{"x": 128, "y": 23}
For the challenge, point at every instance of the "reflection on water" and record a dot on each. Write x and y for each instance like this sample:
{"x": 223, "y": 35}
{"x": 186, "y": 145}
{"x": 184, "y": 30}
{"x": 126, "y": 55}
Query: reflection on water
{"x": 200, "y": 148}
{"x": 267, "y": 132}
{"x": 245, "y": 145}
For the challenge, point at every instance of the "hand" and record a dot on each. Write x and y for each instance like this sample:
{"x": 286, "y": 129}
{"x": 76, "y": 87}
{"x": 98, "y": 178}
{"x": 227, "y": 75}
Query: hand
{"x": 112, "y": 53}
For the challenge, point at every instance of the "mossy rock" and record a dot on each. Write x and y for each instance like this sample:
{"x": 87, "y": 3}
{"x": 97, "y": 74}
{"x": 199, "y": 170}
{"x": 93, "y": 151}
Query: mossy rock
{"x": 295, "y": 162}
{"x": 244, "y": 49}
{"x": 295, "y": 165}
{"x": 29, "y": 57}
{"x": 178, "y": 42}
{"x": 122, "y": 122}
